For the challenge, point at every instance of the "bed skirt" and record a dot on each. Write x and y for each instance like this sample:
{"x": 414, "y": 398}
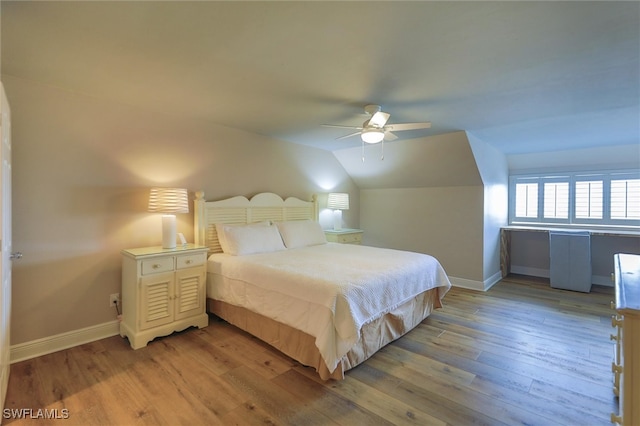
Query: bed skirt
{"x": 301, "y": 346}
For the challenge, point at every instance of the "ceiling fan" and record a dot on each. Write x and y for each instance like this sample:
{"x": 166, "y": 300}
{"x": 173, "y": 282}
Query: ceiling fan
{"x": 376, "y": 129}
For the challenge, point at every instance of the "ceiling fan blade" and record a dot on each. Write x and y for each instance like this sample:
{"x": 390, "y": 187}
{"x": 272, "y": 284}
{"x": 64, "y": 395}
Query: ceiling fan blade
{"x": 348, "y": 136}
{"x": 337, "y": 126}
{"x": 408, "y": 126}
{"x": 388, "y": 136}
{"x": 379, "y": 119}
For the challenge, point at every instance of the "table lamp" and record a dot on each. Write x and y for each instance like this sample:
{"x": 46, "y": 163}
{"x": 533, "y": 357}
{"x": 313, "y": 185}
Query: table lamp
{"x": 338, "y": 201}
{"x": 169, "y": 201}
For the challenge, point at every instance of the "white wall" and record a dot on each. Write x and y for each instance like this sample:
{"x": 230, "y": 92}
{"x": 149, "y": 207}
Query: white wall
{"x": 601, "y": 158}
{"x": 492, "y": 165}
{"x": 445, "y": 222}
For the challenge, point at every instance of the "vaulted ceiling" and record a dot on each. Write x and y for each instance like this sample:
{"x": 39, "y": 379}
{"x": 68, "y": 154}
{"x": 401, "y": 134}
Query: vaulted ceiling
{"x": 522, "y": 76}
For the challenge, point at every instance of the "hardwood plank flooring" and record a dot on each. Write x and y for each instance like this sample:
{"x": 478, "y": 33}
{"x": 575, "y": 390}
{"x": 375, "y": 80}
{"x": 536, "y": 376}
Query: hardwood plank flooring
{"x": 521, "y": 353}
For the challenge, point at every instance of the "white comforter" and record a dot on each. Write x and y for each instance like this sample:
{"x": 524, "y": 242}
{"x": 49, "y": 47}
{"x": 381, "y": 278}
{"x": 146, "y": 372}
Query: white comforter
{"x": 328, "y": 291}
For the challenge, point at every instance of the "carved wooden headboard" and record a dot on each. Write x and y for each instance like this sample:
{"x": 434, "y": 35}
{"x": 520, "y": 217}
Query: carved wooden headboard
{"x": 240, "y": 210}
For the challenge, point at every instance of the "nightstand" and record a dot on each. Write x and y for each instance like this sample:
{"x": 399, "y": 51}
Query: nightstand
{"x": 163, "y": 290}
{"x": 344, "y": 236}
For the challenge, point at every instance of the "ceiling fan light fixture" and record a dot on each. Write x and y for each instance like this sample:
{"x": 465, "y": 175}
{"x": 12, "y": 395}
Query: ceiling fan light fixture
{"x": 372, "y": 135}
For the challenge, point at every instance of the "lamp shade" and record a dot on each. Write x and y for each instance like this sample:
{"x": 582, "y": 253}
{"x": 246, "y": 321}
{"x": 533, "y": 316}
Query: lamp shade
{"x": 338, "y": 201}
{"x": 169, "y": 200}
{"x": 372, "y": 135}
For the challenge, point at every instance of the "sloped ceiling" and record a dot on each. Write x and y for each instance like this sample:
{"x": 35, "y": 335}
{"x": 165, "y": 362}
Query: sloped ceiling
{"x": 522, "y": 76}
{"x": 442, "y": 160}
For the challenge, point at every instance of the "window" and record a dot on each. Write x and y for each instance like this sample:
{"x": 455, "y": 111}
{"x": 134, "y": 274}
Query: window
{"x": 556, "y": 200}
{"x": 527, "y": 200}
{"x": 589, "y": 199}
{"x": 625, "y": 199}
{"x": 596, "y": 198}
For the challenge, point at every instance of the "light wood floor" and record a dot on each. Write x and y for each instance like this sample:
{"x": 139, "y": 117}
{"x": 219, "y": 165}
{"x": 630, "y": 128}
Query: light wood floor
{"x": 522, "y": 353}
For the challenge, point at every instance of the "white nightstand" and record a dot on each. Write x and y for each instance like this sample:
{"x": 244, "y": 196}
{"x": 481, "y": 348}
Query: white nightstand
{"x": 344, "y": 236}
{"x": 163, "y": 290}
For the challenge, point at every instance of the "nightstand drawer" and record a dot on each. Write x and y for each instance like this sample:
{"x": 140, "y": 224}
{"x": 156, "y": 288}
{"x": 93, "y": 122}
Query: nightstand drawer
{"x": 190, "y": 261}
{"x": 344, "y": 236}
{"x": 157, "y": 265}
{"x": 349, "y": 238}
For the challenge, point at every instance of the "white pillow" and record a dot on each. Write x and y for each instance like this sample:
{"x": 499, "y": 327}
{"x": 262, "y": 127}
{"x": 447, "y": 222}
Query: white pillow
{"x": 250, "y": 239}
{"x": 301, "y": 233}
{"x": 220, "y": 227}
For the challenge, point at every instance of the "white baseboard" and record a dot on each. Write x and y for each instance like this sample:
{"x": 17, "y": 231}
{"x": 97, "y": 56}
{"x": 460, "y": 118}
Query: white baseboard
{"x": 47, "y": 345}
{"x": 476, "y": 285}
{"x": 492, "y": 280}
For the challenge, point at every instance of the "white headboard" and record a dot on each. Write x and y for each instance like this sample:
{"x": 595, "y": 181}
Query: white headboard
{"x": 240, "y": 210}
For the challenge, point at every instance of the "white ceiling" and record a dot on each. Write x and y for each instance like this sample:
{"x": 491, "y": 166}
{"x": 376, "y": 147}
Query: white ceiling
{"x": 522, "y": 76}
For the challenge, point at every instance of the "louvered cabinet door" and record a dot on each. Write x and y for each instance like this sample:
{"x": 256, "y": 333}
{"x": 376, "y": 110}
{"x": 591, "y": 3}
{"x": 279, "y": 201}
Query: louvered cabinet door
{"x": 189, "y": 298}
{"x": 156, "y": 300}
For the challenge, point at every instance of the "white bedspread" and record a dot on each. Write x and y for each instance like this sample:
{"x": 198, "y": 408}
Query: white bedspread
{"x": 328, "y": 291}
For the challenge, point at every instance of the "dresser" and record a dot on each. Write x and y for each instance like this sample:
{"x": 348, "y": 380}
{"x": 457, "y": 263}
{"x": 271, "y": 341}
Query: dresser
{"x": 344, "y": 236}
{"x": 163, "y": 290}
{"x": 626, "y": 323}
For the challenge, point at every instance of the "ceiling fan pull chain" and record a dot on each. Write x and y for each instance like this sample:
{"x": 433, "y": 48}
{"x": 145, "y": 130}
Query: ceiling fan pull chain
{"x": 382, "y": 155}
{"x": 363, "y": 151}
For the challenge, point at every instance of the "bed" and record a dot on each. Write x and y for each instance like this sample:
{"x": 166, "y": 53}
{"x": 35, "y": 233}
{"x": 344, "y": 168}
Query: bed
{"x": 330, "y": 306}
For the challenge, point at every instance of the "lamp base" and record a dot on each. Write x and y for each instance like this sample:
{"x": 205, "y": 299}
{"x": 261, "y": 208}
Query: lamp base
{"x": 169, "y": 231}
{"x": 337, "y": 220}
